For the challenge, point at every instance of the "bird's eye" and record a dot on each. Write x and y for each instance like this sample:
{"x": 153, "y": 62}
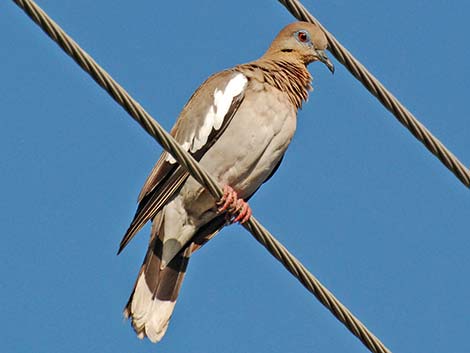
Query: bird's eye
{"x": 303, "y": 36}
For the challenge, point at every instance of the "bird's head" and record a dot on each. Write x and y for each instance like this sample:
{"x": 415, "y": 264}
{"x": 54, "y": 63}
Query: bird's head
{"x": 301, "y": 41}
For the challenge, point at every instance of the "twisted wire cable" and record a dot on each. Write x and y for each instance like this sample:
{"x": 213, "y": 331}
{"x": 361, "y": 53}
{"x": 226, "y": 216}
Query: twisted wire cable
{"x": 168, "y": 143}
{"x": 387, "y": 99}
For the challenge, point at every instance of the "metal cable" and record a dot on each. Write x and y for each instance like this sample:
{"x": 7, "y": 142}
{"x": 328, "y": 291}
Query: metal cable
{"x": 168, "y": 143}
{"x": 387, "y": 99}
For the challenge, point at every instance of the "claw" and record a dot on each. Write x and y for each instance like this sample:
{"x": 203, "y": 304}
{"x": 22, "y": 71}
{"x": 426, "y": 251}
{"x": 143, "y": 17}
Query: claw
{"x": 236, "y": 209}
{"x": 247, "y": 216}
{"x": 228, "y": 199}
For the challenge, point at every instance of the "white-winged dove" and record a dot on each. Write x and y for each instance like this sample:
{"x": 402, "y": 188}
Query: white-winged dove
{"x": 238, "y": 125}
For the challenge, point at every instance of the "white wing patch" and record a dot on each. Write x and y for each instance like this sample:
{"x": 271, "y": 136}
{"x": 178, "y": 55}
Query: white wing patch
{"x": 215, "y": 116}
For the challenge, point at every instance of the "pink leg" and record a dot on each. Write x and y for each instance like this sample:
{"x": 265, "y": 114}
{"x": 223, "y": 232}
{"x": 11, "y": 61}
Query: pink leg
{"x": 244, "y": 212}
{"x": 237, "y": 209}
{"x": 228, "y": 199}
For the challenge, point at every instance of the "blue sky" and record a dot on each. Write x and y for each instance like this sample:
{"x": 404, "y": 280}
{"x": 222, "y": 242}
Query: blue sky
{"x": 365, "y": 207}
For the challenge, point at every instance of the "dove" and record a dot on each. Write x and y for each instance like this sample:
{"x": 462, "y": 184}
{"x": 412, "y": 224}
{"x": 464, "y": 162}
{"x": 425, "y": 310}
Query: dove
{"x": 237, "y": 125}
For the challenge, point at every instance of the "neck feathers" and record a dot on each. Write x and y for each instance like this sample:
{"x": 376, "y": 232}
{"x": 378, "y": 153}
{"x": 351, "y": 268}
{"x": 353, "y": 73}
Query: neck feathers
{"x": 290, "y": 78}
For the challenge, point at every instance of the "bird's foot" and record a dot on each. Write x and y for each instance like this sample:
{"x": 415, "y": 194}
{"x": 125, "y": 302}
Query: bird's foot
{"x": 236, "y": 209}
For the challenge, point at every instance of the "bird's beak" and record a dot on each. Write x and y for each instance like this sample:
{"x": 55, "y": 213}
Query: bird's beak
{"x": 325, "y": 60}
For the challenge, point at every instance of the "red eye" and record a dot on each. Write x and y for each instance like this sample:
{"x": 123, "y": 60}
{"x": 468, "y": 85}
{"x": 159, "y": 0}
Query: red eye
{"x": 303, "y": 37}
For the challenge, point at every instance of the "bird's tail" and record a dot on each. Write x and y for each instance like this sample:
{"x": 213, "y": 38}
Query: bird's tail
{"x": 153, "y": 299}
{"x": 155, "y": 292}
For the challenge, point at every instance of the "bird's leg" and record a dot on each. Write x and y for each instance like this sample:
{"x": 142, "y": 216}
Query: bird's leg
{"x": 237, "y": 209}
{"x": 228, "y": 199}
{"x": 243, "y": 210}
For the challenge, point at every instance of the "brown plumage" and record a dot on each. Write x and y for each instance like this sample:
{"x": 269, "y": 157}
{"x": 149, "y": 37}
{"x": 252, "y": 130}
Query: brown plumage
{"x": 293, "y": 79}
{"x": 238, "y": 125}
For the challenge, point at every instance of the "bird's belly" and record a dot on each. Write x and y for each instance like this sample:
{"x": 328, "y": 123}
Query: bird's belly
{"x": 246, "y": 153}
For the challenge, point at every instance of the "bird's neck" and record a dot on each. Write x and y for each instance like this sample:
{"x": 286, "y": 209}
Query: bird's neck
{"x": 287, "y": 76}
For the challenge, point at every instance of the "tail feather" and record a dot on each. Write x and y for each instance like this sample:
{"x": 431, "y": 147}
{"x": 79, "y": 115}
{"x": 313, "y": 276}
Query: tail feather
{"x": 153, "y": 299}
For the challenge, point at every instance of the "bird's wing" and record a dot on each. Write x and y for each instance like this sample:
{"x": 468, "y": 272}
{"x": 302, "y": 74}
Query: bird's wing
{"x": 202, "y": 121}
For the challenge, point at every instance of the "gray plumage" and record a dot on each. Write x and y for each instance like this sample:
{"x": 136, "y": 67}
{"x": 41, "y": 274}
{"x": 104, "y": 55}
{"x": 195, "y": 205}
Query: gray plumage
{"x": 238, "y": 125}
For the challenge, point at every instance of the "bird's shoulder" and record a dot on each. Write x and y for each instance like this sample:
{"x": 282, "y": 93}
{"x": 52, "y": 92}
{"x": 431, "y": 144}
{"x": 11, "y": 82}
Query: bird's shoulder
{"x": 202, "y": 120}
{"x": 208, "y": 95}
{"x": 209, "y": 110}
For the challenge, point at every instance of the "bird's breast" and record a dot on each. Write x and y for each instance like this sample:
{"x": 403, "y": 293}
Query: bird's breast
{"x": 249, "y": 149}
